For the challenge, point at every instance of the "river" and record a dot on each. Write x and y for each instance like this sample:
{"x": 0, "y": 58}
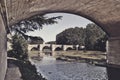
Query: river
{"x": 53, "y": 69}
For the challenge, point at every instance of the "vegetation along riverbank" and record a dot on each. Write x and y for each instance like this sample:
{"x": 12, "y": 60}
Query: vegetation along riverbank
{"x": 93, "y": 57}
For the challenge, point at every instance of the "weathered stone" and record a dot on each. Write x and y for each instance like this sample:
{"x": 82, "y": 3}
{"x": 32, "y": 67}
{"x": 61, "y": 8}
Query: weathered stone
{"x": 113, "y": 55}
{"x": 105, "y": 13}
{"x": 13, "y": 71}
{"x": 3, "y": 49}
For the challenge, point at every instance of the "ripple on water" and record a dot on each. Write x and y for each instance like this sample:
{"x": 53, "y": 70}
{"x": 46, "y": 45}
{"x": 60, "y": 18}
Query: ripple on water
{"x": 57, "y": 70}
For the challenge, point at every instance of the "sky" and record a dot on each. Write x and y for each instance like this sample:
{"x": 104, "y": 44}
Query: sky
{"x": 49, "y": 32}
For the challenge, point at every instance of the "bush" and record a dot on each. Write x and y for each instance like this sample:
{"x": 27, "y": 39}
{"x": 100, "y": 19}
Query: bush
{"x": 19, "y": 47}
{"x": 28, "y": 71}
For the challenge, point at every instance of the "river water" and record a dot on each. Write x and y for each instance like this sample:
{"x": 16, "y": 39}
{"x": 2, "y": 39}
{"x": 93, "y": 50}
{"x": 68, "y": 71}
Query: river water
{"x": 52, "y": 69}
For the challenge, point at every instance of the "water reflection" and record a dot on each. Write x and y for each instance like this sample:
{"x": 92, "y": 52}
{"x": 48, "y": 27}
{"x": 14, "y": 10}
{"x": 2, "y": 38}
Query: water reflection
{"x": 58, "y": 70}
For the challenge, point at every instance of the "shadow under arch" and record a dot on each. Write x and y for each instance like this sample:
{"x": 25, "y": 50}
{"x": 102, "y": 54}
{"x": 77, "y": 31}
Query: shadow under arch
{"x": 58, "y": 49}
{"x": 34, "y": 49}
{"x": 46, "y": 49}
{"x": 69, "y": 48}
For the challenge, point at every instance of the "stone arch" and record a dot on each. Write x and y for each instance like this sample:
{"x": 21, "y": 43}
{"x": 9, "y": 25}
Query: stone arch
{"x": 58, "y": 49}
{"x": 47, "y": 48}
{"x": 104, "y": 13}
{"x": 34, "y": 49}
{"x": 74, "y": 13}
{"x": 30, "y": 46}
{"x": 69, "y": 48}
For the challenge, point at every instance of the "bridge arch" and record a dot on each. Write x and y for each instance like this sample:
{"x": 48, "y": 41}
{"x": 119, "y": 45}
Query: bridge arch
{"x": 46, "y": 48}
{"x": 34, "y": 49}
{"x": 31, "y": 46}
{"x": 58, "y": 49}
{"x": 69, "y": 48}
{"x": 103, "y": 13}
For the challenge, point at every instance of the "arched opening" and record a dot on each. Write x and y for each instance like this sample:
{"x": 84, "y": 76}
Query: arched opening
{"x": 69, "y": 49}
{"x": 46, "y": 49}
{"x": 34, "y": 49}
{"x": 58, "y": 49}
{"x": 69, "y": 39}
{"x": 69, "y": 31}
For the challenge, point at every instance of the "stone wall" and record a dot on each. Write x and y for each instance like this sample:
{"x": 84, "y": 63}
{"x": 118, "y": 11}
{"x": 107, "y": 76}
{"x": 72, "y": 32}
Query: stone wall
{"x": 3, "y": 47}
{"x": 105, "y": 13}
{"x": 113, "y": 55}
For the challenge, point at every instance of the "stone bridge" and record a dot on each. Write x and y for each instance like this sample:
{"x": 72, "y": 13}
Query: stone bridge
{"x": 105, "y": 13}
{"x": 52, "y": 47}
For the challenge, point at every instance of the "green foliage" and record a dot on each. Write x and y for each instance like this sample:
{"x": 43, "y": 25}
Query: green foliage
{"x": 92, "y": 37}
{"x": 100, "y": 44}
{"x": 31, "y": 24}
{"x": 28, "y": 71}
{"x": 34, "y": 23}
{"x": 31, "y": 39}
{"x": 71, "y": 36}
{"x": 35, "y": 40}
{"x": 19, "y": 47}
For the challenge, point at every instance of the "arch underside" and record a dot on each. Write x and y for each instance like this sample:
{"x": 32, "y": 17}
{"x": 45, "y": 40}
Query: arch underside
{"x": 58, "y": 49}
{"x": 46, "y": 48}
{"x": 69, "y": 48}
{"x": 105, "y": 13}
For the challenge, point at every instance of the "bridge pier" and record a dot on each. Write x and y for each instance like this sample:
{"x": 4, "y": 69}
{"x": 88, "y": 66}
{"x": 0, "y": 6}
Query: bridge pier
{"x": 40, "y": 47}
{"x": 53, "y": 47}
{"x": 113, "y": 52}
{"x": 64, "y": 47}
{"x": 113, "y": 58}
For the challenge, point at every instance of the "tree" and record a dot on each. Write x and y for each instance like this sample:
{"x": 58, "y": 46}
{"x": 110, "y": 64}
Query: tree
{"x": 100, "y": 44}
{"x": 19, "y": 47}
{"x": 94, "y": 35}
{"x": 72, "y": 36}
{"x": 33, "y": 23}
{"x": 35, "y": 40}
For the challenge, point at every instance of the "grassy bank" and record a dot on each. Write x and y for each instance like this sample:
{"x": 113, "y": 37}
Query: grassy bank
{"x": 28, "y": 71}
{"x": 81, "y": 56}
{"x": 94, "y": 57}
{"x": 88, "y": 54}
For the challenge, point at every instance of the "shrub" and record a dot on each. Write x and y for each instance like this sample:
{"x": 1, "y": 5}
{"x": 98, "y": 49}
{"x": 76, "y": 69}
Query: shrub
{"x": 19, "y": 47}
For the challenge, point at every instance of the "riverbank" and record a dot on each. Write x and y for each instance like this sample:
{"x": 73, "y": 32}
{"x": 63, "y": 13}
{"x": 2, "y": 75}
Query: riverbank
{"x": 92, "y": 57}
{"x": 24, "y": 70}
